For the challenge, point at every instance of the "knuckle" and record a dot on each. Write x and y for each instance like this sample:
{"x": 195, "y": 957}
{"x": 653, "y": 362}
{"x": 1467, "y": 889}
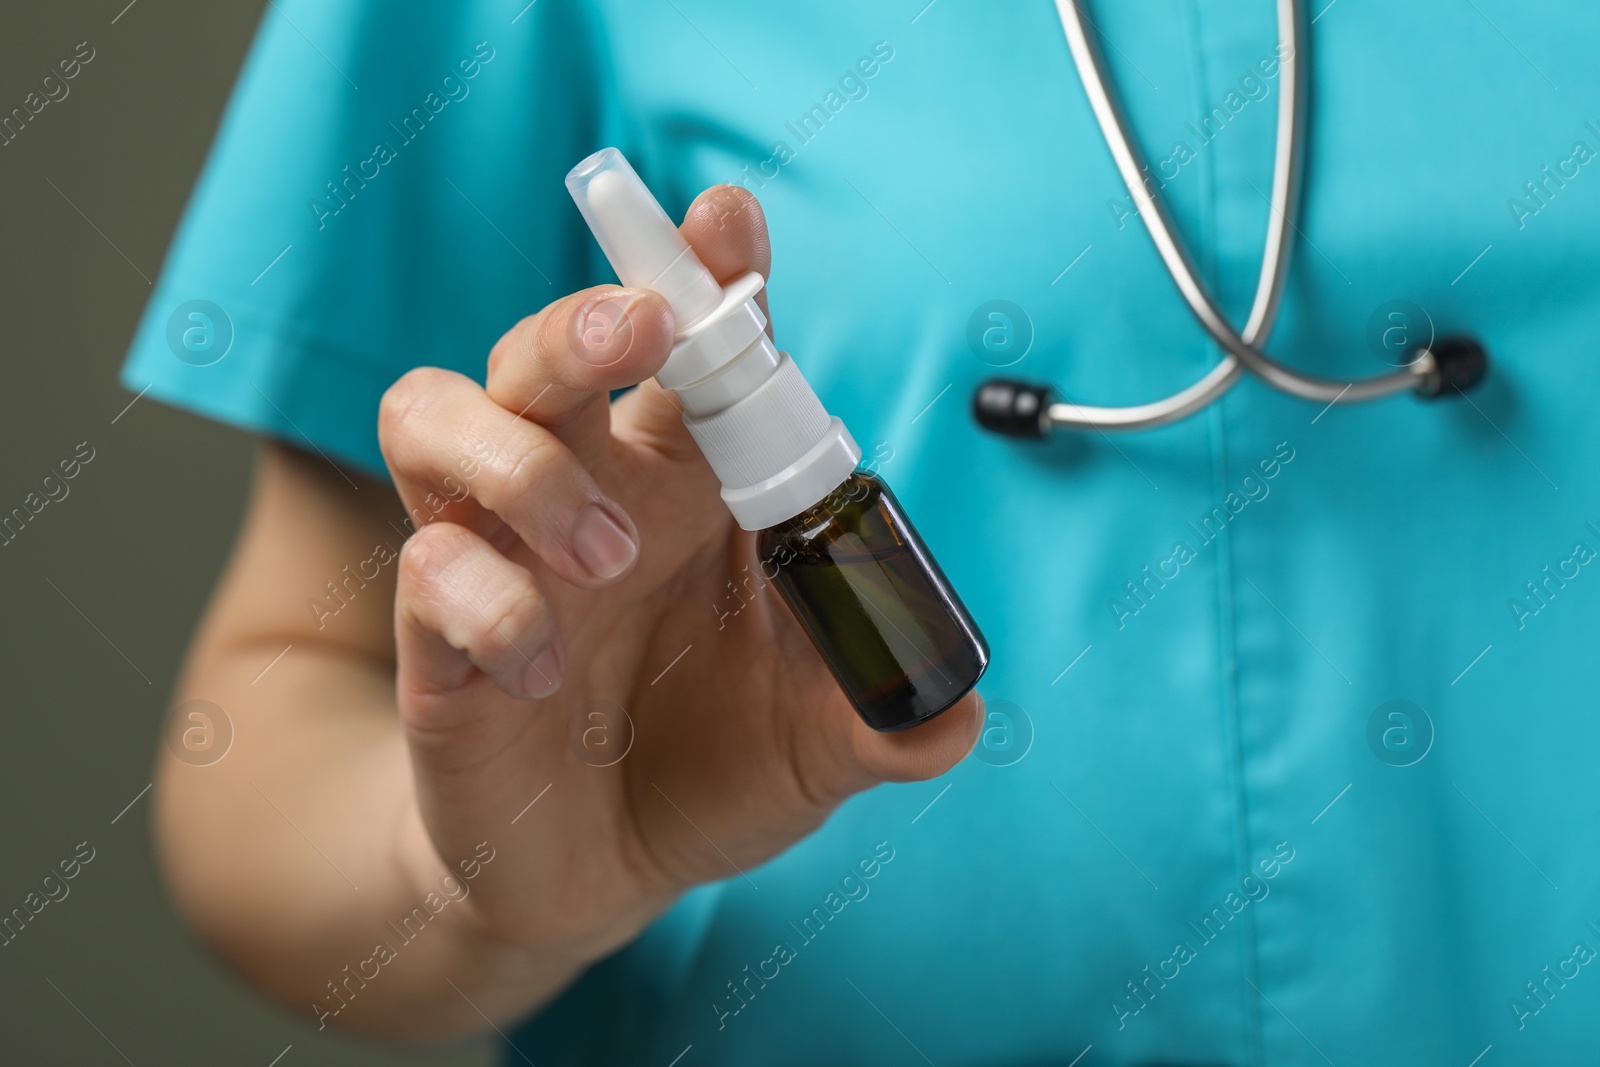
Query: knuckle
{"x": 524, "y": 467}
{"x": 427, "y": 556}
{"x": 516, "y": 609}
{"x": 481, "y": 614}
{"x": 409, "y": 400}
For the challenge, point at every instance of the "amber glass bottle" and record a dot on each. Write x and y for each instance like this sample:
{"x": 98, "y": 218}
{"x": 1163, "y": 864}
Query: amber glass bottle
{"x": 876, "y": 605}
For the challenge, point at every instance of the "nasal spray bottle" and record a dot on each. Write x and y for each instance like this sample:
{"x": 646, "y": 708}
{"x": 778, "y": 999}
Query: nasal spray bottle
{"x": 832, "y": 537}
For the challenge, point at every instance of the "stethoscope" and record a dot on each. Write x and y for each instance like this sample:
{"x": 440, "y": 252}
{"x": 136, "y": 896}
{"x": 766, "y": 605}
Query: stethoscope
{"x": 1437, "y": 367}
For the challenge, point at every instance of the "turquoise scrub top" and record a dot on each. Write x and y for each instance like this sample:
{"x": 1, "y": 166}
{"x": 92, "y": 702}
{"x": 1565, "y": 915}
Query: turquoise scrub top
{"x": 1293, "y": 740}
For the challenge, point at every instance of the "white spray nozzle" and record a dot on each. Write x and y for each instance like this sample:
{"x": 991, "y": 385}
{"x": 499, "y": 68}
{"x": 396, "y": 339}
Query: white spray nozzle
{"x": 644, "y": 247}
{"x": 772, "y": 444}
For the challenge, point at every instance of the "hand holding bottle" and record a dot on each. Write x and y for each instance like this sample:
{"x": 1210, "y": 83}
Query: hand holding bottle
{"x": 583, "y": 564}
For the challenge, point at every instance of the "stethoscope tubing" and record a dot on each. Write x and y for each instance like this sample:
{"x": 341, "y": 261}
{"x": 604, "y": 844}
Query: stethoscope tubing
{"x": 1242, "y": 349}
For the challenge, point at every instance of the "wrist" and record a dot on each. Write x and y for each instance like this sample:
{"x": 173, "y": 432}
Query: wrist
{"x": 438, "y": 910}
{"x": 522, "y": 959}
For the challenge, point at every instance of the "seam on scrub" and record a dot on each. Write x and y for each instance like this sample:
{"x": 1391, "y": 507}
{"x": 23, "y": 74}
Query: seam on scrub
{"x": 1227, "y": 645}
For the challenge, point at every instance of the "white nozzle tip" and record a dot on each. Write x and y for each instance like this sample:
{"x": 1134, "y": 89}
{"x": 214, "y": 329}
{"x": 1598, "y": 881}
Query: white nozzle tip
{"x": 605, "y": 159}
{"x": 644, "y": 247}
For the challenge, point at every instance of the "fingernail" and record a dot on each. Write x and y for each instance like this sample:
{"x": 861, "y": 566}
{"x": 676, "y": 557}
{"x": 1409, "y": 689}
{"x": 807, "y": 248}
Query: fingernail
{"x": 602, "y": 544}
{"x": 543, "y": 676}
{"x": 605, "y": 328}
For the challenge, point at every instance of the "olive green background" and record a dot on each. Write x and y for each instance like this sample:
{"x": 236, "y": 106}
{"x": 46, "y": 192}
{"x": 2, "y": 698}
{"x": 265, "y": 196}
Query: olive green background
{"x": 101, "y": 589}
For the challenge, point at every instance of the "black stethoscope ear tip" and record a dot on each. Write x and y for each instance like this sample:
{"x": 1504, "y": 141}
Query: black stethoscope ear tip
{"x": 1012, "y": 408}
{"x": 1460, "y": 364}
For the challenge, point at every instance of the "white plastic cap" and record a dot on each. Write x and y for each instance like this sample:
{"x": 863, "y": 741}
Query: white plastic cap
{"x": 773, "y": 446}
{"x": 644, "y": 247}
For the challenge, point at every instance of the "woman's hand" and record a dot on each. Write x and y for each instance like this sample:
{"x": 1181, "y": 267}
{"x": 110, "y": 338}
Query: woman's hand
{"x": 558, "y": 686}
{"x": 572, "y": 561}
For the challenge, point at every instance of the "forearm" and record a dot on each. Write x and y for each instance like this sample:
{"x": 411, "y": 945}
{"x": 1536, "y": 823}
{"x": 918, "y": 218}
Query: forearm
{"x": 302, "y": 859}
